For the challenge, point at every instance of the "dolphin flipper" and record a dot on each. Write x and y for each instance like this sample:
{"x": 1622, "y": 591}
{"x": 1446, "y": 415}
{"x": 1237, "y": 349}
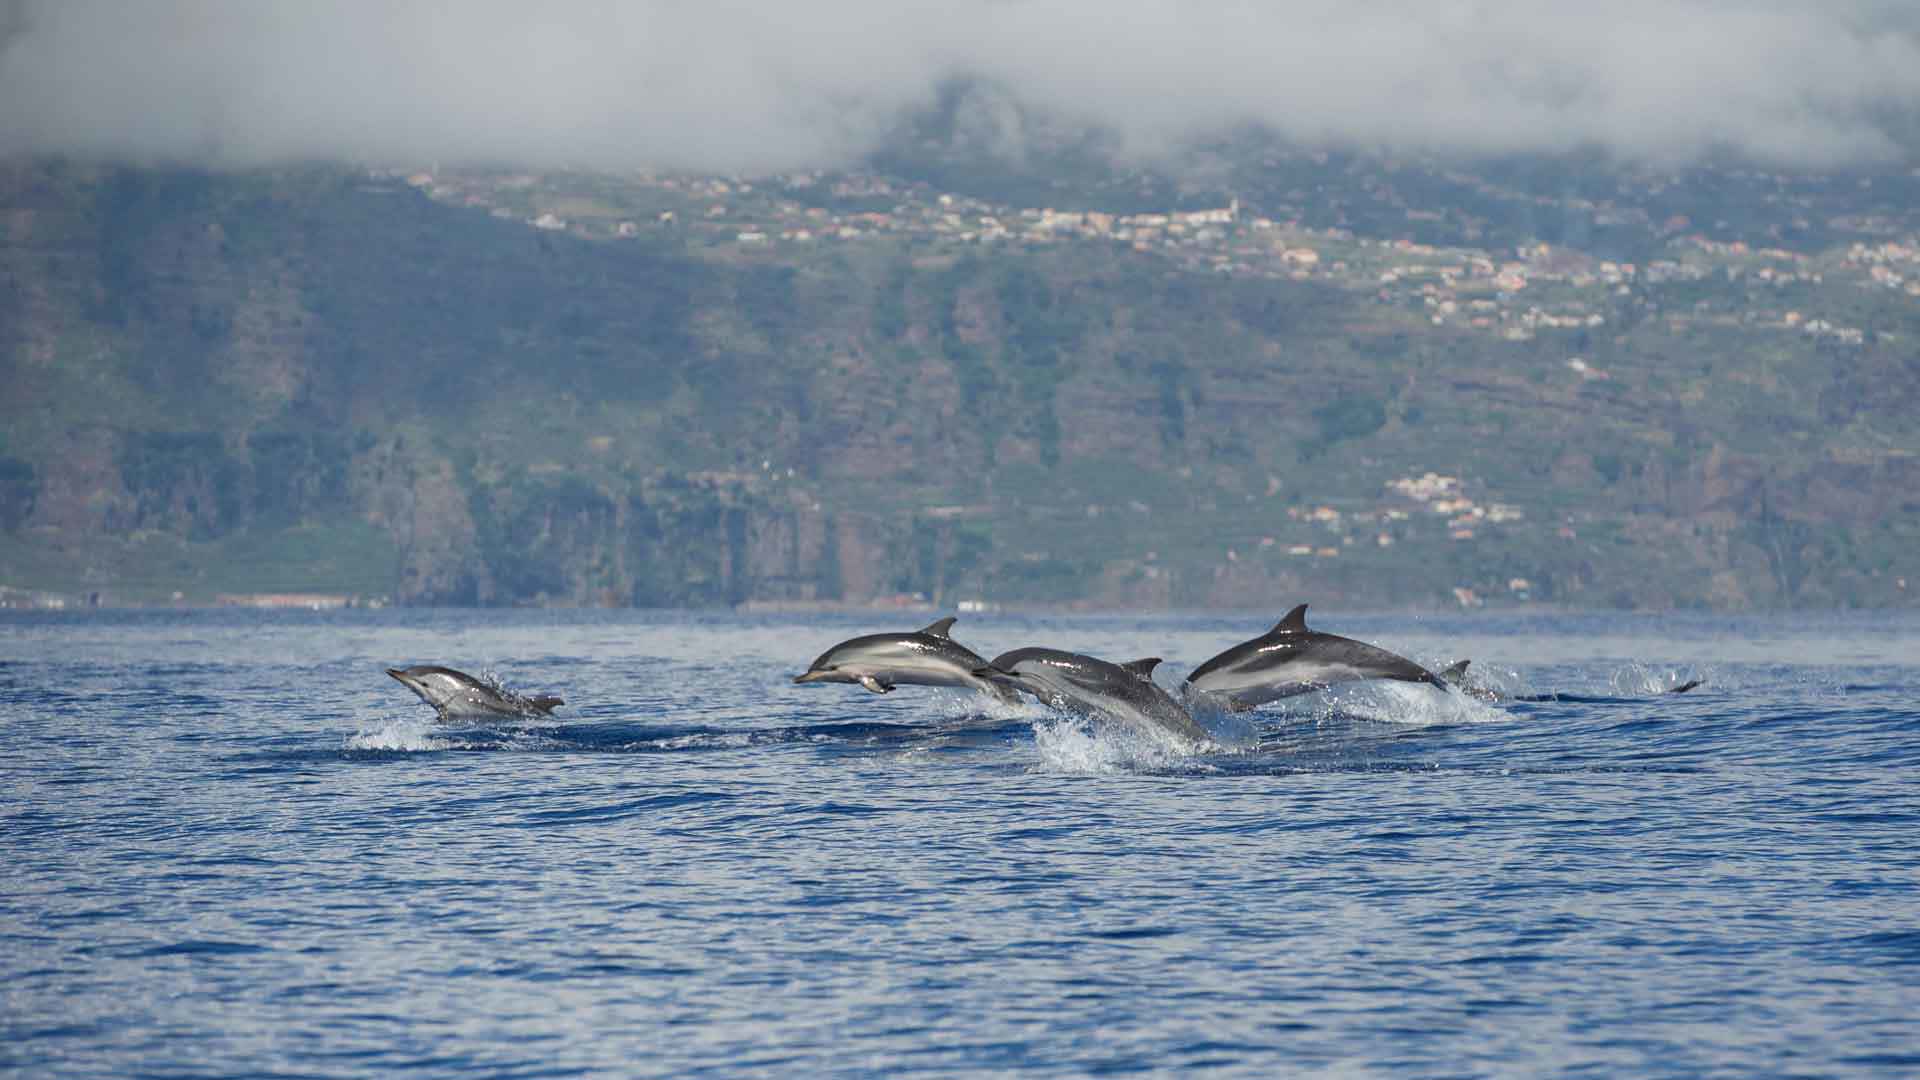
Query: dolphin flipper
{"x": 874, "y": 684}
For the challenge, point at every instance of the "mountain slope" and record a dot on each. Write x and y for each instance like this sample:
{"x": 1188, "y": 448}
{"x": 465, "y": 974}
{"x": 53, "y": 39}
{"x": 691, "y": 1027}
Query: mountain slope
{"x": 324, "y": 380}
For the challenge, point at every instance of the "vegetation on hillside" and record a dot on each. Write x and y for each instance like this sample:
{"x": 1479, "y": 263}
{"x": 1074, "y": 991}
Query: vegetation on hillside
{"x": 323, "y": 380}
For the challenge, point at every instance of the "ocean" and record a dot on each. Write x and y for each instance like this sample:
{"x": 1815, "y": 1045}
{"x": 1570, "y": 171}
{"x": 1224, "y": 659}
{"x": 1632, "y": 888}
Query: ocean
{"x": 233, "y": 847}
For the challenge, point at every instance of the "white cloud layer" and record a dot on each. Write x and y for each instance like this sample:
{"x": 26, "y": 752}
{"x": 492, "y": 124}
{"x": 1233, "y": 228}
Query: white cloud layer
{"x": 724, "y": 85}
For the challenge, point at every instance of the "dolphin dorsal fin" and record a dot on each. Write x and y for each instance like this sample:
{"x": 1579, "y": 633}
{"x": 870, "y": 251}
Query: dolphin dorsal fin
{"x": 1294, "y": 623}
{"x": 1142, "y": 667}
{"x": 1456, "y": 672}
{"x": 941, "y": 627}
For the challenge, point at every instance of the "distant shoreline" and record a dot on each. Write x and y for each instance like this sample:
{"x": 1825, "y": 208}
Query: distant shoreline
{"x": 20, "y": 600}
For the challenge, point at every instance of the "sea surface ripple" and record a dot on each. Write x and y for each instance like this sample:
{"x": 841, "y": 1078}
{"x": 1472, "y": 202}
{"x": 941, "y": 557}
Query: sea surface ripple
{"x": 233, "y": 847}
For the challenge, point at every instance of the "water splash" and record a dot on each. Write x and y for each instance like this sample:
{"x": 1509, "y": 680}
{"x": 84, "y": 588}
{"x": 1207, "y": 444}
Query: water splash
{"x": 1406, "y": 704}
{"x": 431, "y": 735}
{"x": 1075, "y": 744}
{"x": 1234, "y": 731}
{"x": 1640, "y": 679}
{"x": 954, "y": 703}
{"x": 522, "y": 702}
{"x": 1491, "y": 682}
{"x": 407, "y": 735}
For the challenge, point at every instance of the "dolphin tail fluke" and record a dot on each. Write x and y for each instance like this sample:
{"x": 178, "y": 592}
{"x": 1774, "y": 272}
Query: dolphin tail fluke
{"x": 1686, "y": 686}
{"x": 1454, "y": 674}
{"x": 544, "y": 704}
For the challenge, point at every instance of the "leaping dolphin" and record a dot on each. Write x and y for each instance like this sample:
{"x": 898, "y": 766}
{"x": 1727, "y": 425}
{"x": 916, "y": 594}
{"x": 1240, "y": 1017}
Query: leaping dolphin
{"x": 1125, "y": 692}
{"x": 456, "y": 694}
{"x": 1291, "y": 659}
{"x": 928, "y": 657}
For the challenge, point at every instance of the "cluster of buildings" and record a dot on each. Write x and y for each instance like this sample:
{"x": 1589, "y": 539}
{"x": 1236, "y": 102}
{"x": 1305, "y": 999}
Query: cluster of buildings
{"x": 1563, "y": 289}
{"x": 1445, "y": 496}
{"x": 32, "y": 599}
{"x": 1821, "y": 328}
{"x": 1889, "y": 265}
{"x": 1429, "y": 496}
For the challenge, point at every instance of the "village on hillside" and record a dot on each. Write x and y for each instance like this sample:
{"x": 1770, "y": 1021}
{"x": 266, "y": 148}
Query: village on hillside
{"x": 1514, "y": 294}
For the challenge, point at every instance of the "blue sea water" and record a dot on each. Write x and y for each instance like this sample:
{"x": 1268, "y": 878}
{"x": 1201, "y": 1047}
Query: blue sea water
{"x": 232, "y": 846}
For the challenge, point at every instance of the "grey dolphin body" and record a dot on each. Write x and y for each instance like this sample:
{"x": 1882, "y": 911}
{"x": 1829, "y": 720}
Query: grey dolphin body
{"x": 1291, "y": 659}
{"x": 458, "y": 694}
{"x": 928, "y": 657}
{"x": 1125, "y": 692}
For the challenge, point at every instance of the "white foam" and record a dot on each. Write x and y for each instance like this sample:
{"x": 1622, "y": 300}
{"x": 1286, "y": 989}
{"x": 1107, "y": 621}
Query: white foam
{"x": 408, "y": 735}
{"x": 706, "y": 740}
{"x": 1075, "y": 745}
{"x": 1410, "y": 704}
{"x": 1505, "y": 682}
{"x": 1637, "y": 679}
{"x": 956, "y": 702}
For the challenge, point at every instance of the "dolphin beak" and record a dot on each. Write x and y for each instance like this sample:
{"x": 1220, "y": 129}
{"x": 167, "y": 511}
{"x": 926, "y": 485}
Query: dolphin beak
{"x": 408, "y": 681}
{"x": 810, "y": 676}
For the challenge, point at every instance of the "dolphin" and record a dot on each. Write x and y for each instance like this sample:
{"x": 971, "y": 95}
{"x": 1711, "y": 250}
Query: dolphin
{"x": 1125, "y": 692}
{"x": 928, "y": 657}
{"x": 1291, "y": 659}
{"x": 454, "y": 694}
{"x": 1457, "y": 678}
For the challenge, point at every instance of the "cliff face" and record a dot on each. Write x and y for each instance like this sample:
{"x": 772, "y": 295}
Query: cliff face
{"x": 317, "y": 381}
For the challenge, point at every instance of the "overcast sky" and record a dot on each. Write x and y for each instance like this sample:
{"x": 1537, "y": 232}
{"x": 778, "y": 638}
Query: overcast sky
{"x": 731, "y": 86}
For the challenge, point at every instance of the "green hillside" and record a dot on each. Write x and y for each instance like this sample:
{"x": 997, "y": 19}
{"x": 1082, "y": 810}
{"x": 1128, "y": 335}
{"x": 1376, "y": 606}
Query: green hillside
{"x": 498, "y": 388}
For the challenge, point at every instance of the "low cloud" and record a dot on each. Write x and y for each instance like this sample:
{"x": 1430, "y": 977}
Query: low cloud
{"x": 753, "y": 87}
